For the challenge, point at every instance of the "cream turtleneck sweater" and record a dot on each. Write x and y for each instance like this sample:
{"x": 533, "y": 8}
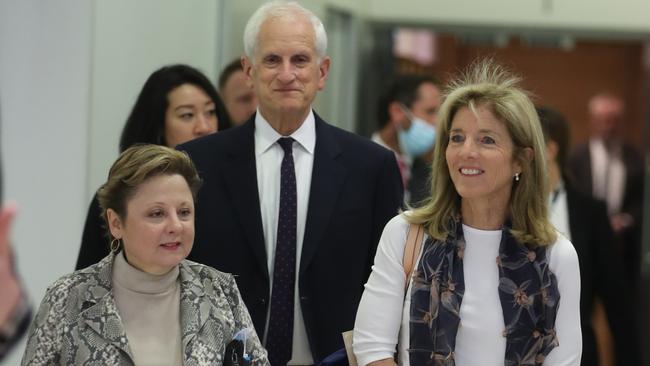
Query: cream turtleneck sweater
{"x": 149, "y": 306}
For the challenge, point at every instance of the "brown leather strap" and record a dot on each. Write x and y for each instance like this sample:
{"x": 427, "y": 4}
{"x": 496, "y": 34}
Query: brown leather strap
{"x": 412, "y": 250}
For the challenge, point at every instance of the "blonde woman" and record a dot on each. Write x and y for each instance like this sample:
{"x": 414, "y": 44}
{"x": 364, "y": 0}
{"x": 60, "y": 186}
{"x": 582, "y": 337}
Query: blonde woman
{"x": 494, "y": 283}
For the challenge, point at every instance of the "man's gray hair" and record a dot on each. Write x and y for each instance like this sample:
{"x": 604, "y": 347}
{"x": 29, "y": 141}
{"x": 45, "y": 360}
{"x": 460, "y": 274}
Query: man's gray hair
{"x": 285, "y": 10}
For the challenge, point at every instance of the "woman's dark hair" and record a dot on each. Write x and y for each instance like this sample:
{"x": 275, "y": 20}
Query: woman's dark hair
{"x": 556, "y": 128}
{"x": 146, "y": 123}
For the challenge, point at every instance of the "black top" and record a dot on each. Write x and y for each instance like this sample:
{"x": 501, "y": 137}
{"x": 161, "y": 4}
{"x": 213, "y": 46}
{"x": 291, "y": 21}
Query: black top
{"x": 94, "y": 241}
{"x": 601, "y": 275}
{"x": 420, "y": 182}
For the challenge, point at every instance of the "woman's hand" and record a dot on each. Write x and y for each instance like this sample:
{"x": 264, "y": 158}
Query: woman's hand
{"x": 8, "y": 281}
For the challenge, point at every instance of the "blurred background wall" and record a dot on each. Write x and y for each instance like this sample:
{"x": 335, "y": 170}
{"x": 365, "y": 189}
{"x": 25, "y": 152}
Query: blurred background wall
{"x": 70, "y": 71}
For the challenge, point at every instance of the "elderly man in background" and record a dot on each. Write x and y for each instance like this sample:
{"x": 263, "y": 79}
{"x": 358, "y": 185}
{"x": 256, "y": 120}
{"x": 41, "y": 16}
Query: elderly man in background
{"x": 611, "y": 170}
{"x": 291, "y": 205}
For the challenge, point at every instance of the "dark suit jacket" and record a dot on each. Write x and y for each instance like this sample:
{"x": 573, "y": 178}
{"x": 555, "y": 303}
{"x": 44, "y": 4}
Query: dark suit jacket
{"x": 602, "y": 275}
{"x": 356, "y": 188}
{"x": 630, "y": 239}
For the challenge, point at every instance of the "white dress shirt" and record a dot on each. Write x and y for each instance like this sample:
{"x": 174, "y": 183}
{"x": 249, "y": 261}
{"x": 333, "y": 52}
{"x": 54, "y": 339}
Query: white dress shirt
{"x": 384, "y": 311}
{"x": 268, "y": 159}
{"x": 608, "y": 174}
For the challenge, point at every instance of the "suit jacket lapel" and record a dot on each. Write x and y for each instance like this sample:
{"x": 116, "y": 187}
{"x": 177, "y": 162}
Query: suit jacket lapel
{"x": 104, "y": 319}
{"x": 193, "y": 316}
{"x": 326, "y": 182}
{"x": 101, "y": 313}
{"x": 240, "y": 176}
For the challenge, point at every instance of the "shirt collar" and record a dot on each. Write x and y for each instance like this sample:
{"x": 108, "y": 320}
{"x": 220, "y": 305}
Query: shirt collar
{"x": 556, "y": 192}
{"x": 266, "y": 136}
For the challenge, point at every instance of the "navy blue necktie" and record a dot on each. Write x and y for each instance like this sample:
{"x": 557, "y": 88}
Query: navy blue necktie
{"x": 279, "y": 338}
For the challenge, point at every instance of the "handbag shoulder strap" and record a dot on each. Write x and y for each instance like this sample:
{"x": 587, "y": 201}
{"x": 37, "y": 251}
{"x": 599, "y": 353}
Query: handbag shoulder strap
{"x": 414, "y": 240}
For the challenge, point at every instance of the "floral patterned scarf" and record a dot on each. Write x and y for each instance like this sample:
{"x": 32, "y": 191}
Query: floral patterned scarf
{"x": 527, "y": 289}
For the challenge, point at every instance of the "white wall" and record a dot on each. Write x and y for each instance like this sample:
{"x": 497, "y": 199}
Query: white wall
{"x": 69, "y": 73}
{"x": 45, "y": 50}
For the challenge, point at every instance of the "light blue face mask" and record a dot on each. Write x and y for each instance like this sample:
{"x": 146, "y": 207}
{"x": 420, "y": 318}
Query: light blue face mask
{"x": 419, "y": 138}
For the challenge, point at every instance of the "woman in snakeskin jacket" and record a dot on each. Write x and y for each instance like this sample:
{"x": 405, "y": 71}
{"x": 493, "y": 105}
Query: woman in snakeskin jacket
{"x": 144, "y": 303}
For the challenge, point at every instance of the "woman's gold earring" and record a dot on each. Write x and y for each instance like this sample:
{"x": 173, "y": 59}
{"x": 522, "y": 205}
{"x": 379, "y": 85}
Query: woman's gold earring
{"x": 517, "y": 177}
{"x": 115, "y": 245}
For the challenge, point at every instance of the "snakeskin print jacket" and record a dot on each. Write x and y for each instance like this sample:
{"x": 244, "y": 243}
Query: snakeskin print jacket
{"x": 78, "y": 322}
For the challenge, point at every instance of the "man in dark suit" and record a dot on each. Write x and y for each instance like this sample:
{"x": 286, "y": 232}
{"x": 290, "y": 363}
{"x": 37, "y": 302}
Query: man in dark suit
{"x": 584, "y": 221}
{"x": 608, "y": 169}
{"x": 291, "y": 205}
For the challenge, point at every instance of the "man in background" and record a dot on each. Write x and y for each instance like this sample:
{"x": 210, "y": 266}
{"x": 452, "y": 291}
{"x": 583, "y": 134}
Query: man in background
{"x": 609, "y": 169}
{"x": 406, "y": 116}
{"x": 237, "y": 94}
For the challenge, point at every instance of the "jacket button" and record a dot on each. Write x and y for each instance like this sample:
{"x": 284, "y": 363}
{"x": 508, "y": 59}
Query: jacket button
{"x": 304, "y": 298}
{"x": 263, "y": 301}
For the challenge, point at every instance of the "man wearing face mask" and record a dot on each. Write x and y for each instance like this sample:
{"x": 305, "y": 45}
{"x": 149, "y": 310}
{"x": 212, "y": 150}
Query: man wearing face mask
{"x": 407, "y": 116}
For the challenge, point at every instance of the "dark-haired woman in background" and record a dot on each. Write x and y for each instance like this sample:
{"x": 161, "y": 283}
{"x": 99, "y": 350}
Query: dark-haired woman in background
{"x": 176, "y": 104}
